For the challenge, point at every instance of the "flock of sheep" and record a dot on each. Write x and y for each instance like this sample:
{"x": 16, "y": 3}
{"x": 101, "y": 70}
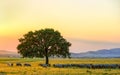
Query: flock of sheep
{"x": 90, "y": 66}
{"x": 19, "y": 64}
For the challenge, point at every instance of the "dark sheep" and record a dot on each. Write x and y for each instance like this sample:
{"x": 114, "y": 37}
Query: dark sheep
{"x": 26, "y": 64}
{"x": 66, "y": 65}
{"x": 113, "y": 66}
{"x": 72, "y": 65}
{"x": 45, "y": 65}
{"x": 90, "y": 66}
{"x": 104, "y": 66}
{"x": 18, "y": 64}
{"x": 118, "y": 66}
{"x": 81, "y": 65}
{"x": 96, "y": 66}
{"x": 75, "y": 65}
{"x": 58, "y": 65}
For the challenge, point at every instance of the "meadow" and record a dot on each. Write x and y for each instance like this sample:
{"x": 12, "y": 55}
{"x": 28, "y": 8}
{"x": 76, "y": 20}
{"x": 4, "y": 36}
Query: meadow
{"x": 34, "y": 69}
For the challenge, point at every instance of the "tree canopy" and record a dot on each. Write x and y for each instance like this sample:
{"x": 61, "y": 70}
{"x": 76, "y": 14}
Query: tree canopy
{"x": 43, "y": 43}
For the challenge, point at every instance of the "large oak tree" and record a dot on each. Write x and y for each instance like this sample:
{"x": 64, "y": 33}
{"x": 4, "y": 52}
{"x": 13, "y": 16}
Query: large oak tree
{"x": 43, "y": 43}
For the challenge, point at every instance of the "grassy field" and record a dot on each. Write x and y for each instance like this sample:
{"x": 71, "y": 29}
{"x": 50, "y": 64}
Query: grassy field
{"x": 38, "y": 70}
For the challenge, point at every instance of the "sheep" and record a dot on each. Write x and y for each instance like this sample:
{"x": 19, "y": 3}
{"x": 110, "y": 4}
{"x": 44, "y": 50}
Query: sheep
{"x": 10, "y": 64}
{"x": 96, "y": 66}
{"x": 102, "y": 66}
{"x": 90, "y": 66}
{"x": 58, "y": 65}
{"x": 118, "y": 66}
{"x": 44, "y": 65}
{"x": 66, "y": 65}
{"x": 18, "y": 64}
{"x": 113, "y": 66}
{"x": 26, "y": 64}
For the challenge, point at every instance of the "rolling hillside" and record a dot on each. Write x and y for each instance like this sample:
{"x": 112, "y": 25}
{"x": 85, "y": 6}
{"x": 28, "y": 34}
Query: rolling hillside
{"x": 111, "y": 53}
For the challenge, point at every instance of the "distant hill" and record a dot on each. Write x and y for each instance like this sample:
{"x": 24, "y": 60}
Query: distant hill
{"x": 104, "y": 53}
{"x": 4, "y": 53}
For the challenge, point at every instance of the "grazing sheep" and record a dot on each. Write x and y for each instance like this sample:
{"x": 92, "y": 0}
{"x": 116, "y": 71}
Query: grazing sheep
{"x": 18, "y": 64}
{"x": 72, "y": 65}
{"x": 103, "y": 66}
{"x": 58, "y": 65}
{"x": 26, "y": 64}
{"x": 118, "y": 66}
{"x": 90, "y": 66}
{"x": 80, "y": 65}
{"x": 44, "y": 65}
{"x": 66, "y": 65}
{"x": 10, "y": 64}
{"x": 113, "y": 66}
{"x": 97, "y": 66}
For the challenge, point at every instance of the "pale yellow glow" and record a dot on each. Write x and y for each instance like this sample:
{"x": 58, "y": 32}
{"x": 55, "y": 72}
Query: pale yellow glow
{"x": 93, "y": 20}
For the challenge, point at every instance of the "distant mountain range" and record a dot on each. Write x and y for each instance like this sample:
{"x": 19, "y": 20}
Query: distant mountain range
{"x": 104, "y": 53}
{"x": 4, "y": 53}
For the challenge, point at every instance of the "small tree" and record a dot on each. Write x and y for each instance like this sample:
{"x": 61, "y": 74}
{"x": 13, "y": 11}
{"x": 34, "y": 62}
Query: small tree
{"x": 43, "y": 43}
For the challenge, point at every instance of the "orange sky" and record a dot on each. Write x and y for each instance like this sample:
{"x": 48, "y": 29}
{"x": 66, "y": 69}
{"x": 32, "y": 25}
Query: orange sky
{"x": 87, "y": 24}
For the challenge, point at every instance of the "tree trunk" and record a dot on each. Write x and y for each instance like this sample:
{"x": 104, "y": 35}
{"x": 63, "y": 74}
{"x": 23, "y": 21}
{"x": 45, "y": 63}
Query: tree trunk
{"x": 47, "y": 60}
{"x": 46, "y": 56}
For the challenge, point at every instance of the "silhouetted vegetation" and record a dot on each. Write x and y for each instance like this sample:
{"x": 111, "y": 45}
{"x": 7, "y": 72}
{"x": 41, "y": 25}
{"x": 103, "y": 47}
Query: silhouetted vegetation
{"x": 43, "y": 43}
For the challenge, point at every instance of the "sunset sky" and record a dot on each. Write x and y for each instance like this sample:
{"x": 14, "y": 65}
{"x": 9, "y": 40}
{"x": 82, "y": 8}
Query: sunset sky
{"x": 87, "y": 24}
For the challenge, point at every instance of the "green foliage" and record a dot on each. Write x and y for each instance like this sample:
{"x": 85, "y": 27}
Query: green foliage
{"x": 43, "y": 43}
